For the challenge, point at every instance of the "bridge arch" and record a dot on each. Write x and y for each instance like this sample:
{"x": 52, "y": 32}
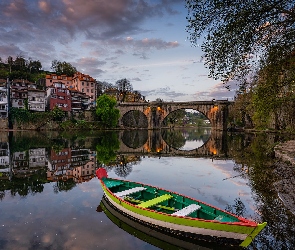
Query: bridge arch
{"x": 134, "y": 119}
{"x": 172, "y": 119}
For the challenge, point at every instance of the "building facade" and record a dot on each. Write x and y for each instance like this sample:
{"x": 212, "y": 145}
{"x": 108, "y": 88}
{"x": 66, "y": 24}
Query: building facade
{"x": 58, "y": 95}
{"x": 86, "y": 84}
{"x": 36, "y": 99}
{"x": 3, "y": 99}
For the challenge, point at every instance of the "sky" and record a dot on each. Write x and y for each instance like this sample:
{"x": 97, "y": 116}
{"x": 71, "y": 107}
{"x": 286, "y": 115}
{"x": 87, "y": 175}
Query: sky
{"x": 144, "y": 41}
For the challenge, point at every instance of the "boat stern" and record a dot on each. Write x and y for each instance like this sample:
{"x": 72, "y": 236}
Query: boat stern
{"x": 252, "y": 235}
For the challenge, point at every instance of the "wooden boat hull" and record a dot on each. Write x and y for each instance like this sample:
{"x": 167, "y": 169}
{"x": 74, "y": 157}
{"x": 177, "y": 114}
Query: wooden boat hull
{"x": 242, "y": 232}
{"x": 159, "y": 236}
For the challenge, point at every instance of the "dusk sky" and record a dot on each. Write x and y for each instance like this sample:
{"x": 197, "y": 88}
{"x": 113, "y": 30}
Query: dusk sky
{"x": 144, "y": 41}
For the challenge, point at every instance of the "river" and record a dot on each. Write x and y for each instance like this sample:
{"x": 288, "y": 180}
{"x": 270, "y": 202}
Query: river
{"x": 50, "y": 197}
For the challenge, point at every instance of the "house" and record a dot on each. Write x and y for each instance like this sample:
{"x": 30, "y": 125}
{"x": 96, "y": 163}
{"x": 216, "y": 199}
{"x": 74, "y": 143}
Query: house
{"x": 19, "y": 93}
{"x": 50, "y": 79}
{"x": 3, "y": 99}
{"x": 36, "y": 99}
{"x": 58, "y": 95}
{"x": 86, "y": 84}
{"x": 80, "y": 101}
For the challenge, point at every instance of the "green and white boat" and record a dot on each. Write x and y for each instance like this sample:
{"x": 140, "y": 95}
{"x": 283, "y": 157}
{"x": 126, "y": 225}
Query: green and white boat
{"x": 178, "y": 213}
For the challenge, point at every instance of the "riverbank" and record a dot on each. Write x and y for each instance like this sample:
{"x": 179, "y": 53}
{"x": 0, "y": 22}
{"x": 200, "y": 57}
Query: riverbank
{"x": 285, "y": 171}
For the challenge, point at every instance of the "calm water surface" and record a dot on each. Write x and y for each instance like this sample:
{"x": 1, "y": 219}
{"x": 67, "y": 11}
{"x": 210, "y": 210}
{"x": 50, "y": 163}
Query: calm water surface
{"x": 47, "y": 203}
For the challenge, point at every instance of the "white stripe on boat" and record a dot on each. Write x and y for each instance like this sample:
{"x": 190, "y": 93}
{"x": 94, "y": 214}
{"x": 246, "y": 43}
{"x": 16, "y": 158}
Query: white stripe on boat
{"x": 187, "y": 210}
{"x": 129, "y": 191}
{"x": 196, "y": 230}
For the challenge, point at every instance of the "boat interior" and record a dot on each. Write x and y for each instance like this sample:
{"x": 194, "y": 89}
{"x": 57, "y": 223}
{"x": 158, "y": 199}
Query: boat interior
{"x": 166, "y": 202}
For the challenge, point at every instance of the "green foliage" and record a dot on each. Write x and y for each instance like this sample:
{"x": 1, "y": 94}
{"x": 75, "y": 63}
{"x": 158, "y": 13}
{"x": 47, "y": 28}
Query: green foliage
{"x": 63, "y": 68}
{"x": 274, "y": 96}
{"x": 57, "y": 114}
{"x": 23, "y": 116}
{"x": 21, "y": 68}
{"x": 77, "y": 125}
{"x": 175, "y": 117}
{"x": 238, "y": 31}
{"x": 107, "y": 146}
{"x": 106, "y": 111}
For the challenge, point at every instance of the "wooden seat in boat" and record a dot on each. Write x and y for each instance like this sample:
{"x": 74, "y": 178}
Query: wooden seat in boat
{"x": 187, "y": 210}
{"x": 155, "y": 201}
{"x": 129, "y": 191}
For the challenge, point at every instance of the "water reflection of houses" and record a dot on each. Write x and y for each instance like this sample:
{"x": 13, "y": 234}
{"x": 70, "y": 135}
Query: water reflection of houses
{"x": 5, "y": 171}
{"x": 27, "y": 163}
{"x": 68, "y": 163}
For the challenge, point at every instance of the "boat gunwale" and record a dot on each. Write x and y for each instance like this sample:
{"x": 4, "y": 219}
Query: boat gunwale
{"x": 242, "y": 221}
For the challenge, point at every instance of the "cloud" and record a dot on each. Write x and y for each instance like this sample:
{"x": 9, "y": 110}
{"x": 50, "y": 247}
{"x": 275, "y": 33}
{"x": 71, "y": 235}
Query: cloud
{"x": 6, "y": 50}
{"x": 25, "y": 21}
{"x": 218, "y": 92}
{"x": 97, "y": 19}
{"x": 164, "y": 93}
{"x": 90, "y": 65}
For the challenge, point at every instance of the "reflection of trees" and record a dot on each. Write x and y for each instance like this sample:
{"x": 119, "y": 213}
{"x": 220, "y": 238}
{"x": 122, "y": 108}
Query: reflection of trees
{"x": 253, "y": 155}
{"x": 135, "y": 138}
{"x": 107, "y": 145}
{"x": 26, "y": 141}
{"x": 237, "y": 208}
{"x": 123, "y": 165}
{"x": 197, "y": 134}
{"x": 123, "y": 170}
{"x": 29, "y": 185}
{"x": 67, "y": 185}
{"x": 174, "y": 138}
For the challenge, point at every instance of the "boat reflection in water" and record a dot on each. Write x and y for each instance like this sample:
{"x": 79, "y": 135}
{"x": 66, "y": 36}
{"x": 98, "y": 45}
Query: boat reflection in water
{"x": 155, "y": 235}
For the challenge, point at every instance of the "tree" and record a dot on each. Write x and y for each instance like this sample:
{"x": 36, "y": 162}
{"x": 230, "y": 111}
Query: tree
{"x": 34, "y": 66}
{"x": 238, "y": 33}
{"x": 63, "y": 68}
{"x": 10, "y": 63}
{"x": 106, "y": 111}
{"x": 20, "y": 63}
{"x": 124, "y": 85}
{"x": 273, "y": 95}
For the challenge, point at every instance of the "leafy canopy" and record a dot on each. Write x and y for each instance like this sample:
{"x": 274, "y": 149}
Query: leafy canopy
{"x": 106, "y": 111}
{"x": 63, "y": 68}
{"x": 239, "y": 33}
{"x": 124, "y": 85}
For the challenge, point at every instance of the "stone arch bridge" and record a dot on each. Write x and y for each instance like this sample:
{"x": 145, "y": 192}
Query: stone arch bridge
{"x": 150, "y": 115}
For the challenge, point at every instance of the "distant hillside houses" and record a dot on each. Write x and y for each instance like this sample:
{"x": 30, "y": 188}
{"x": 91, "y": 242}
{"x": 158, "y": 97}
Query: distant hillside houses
{"x": 70, "y": 93}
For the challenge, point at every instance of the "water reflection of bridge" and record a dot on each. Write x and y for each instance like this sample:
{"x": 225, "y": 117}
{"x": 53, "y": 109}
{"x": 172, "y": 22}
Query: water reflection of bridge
{"x": 147, "y": 142}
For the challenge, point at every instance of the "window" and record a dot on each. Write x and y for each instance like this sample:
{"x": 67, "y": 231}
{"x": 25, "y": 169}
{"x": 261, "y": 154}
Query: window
{"x": 82, "y": 83}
